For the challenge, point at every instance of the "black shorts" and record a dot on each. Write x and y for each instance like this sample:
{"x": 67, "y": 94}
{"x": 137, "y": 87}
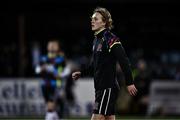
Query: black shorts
{"x": 105, "y": 101}
{"x": 49, "y": 93}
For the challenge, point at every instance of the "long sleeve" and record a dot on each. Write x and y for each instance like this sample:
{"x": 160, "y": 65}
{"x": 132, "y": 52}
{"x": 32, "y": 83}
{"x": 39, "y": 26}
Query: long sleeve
{"x": 88, "y": 70}
{"x": 119, "y": 53}
{"x": 39, "y": 68}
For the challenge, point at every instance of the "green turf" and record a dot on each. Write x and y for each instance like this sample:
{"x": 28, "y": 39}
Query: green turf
{"x": 87, "y": 119}
{"x": 117, "y": 118}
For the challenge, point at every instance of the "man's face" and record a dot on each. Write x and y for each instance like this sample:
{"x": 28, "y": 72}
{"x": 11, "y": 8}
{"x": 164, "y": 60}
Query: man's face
{"x": 96, "y": 22}
{"x": 53, "y": 47}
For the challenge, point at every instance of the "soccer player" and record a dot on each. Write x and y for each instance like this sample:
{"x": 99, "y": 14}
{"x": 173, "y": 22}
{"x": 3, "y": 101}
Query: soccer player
{"x": 51, "y": 69}
{"x": 107, "y": 50}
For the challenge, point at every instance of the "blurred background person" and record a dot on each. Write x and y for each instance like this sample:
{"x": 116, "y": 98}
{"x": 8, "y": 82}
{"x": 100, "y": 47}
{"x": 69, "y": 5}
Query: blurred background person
{"x": 52, "y": 70}
{"x": 142, "y": 78}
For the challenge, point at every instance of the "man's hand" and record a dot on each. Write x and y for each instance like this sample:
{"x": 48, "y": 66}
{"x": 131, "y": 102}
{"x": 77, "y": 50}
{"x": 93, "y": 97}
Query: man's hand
{"x": 76, "y": 75}
{"x": 132, "y": 90}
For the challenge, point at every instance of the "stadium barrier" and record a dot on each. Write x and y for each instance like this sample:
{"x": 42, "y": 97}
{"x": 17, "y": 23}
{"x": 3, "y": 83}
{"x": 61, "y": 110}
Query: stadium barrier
{"x": 164, "y": 98}
{"x": 23, "y": 97}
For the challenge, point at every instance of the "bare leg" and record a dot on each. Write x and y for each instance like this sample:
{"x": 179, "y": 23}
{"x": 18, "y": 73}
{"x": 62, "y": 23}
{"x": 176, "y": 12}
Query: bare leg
{"x": 97, "y": 117}
{"x": 50, "y": 106}
{"x": 51, "y": 113}
{"x": 111, "y": 117}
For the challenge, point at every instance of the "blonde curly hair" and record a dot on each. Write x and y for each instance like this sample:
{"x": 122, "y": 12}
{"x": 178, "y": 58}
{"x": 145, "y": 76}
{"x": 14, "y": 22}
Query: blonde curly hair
{"x": 106, "y": 16}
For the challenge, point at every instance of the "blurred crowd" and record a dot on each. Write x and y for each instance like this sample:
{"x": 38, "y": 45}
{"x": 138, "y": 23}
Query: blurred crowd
{"x": 147, "y": 66}
{"x": 162, "y": 66}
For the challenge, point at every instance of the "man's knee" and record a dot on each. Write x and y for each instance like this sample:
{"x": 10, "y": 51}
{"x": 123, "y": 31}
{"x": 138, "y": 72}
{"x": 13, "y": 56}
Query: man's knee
{"x": 50, "y": 105}
{"x": 111, "y": 117}
{"x": 97, "y": 117}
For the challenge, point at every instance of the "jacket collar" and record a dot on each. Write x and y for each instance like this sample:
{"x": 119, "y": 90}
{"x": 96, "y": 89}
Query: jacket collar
{"x": 100, "y": 34}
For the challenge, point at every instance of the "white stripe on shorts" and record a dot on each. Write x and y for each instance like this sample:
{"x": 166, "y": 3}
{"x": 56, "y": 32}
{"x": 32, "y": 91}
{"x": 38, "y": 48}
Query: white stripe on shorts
{"x": 102, "y": 101}
{"x": 108, "y": 100}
